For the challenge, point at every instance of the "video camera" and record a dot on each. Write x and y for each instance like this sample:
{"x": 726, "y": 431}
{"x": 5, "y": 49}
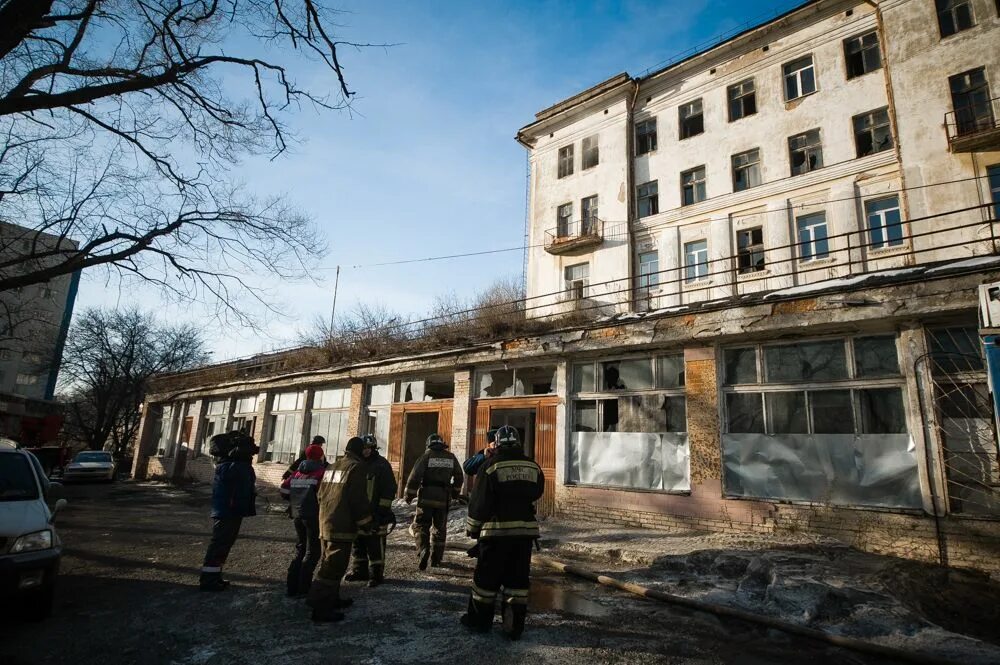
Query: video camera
{"x": 229, "y": 445}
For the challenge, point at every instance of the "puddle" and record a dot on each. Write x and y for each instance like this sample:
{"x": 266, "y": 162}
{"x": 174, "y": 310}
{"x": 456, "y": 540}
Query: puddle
{"x": 548, "y": 595}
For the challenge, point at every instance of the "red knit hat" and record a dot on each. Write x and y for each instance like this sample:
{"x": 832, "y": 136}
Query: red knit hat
{"x": 314, "y": 452}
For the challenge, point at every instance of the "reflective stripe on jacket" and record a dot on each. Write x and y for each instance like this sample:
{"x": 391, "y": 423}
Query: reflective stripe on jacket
{"x": 343, "y": 500}
{"x": 435, "y": 477}
{"x": 502, "y": 504}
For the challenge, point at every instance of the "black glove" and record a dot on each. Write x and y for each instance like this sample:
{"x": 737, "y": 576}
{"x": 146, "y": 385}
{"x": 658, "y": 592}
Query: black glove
{"x": 473, "y": 551}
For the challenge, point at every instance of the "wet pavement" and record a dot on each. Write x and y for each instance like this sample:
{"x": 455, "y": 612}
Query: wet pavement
{"x": 127, "y": 594}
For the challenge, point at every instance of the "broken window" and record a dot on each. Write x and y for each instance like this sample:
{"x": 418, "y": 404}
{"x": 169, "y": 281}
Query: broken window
{"x": 805, "y": 152}
{"x": 872, "y": 132}
{"x": 695, "y": 261}
{"x": 519, "y": 381}
{"x": 693, "y": 186}
{"x": 862, "y": 54}
{"x": 577, "y": 278}
{"x": 750, "y": 250}
{"x": 742, "y": 100}
{"x": 800, "y": 78}
{"x": 649, "y": 267}
{"x": 746, "y": 170}
{"x": 692, "y": 120}
{"x": 885, "y": 225}
{"x": 648, "y": 199}
{"x": 813, "y": 240}
{"x": 637, "y": 440}
{"x": 970, "y": 98}
{"x": 566, "y": 161}
{"x": 645, "y": 136}
{"x": 423, "y": 390}
{"x": 876, "y": 356}
{"x": 495, "y": 383}
{"x": 564, "y": 220}
{"x": 591, "y": 153}
{"x": 588, "y": 208}
{"x": 954, "y": 16}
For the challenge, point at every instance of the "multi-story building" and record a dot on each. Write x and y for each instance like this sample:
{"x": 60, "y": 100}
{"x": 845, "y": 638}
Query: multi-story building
{"x": 34, "y": 321}
{"x": 780, "y": 241}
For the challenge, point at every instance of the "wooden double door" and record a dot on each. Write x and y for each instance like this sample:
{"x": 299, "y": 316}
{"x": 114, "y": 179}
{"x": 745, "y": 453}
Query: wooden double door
{"x": 535, "y": 420}
{"x": 409, "y": 426}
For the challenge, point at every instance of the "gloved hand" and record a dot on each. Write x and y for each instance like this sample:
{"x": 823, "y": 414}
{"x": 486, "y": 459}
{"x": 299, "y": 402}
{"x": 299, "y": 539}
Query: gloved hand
{"x": 369, "y": 529}
{"x": 473, "y": 551}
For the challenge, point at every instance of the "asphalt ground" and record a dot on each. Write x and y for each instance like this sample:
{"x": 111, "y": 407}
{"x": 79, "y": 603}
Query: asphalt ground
{"x": 127, "y": 593}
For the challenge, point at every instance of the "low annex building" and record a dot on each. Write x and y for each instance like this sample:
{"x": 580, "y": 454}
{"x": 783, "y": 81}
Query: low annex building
{"x": 776, "y": 247}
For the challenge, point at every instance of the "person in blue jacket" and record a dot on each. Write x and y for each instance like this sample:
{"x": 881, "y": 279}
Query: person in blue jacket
{"x": 233, "y": 498}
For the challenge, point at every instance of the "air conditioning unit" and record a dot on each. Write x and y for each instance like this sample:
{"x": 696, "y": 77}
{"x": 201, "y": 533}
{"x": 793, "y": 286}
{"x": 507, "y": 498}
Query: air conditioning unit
{"x": 989, "y": 305}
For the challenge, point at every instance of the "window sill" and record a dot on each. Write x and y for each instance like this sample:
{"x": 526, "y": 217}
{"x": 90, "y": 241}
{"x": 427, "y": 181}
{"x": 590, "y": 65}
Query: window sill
{"x": 828, "y": 260}
{"x": 800, "y": 97}
{"x": 749, "y": 115}
{"x": 750, "y": 276}
{"x": 698, "y": 282}
{"x": 888, "y": 251}
{"x": 618, "y": 488}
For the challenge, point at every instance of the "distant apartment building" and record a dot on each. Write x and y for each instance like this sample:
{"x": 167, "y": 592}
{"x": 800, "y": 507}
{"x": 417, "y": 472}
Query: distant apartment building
{"x": 776, "y": 245}
{"x": 34, "y": 320}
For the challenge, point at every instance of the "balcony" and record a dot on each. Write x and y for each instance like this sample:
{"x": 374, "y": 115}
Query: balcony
{"x": 575, "y": 237}
{"x": 974, "y": 128}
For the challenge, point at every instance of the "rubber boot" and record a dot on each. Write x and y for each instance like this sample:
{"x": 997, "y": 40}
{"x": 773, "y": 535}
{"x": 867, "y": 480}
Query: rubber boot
{"x": 292, "y": 580}
{"x": 513, "y": 620}
{"x": 324, "y": 599}
{"x": 437, "y": 555}
{"x": 212, "y": 582}
{"x": 359, "y": 574}
{"x": 479, "y": 617}
{"x": 377, "y": 577}
{"x": 423, "y": 556}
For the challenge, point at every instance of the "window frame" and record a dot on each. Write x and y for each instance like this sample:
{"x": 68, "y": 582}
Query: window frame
{"x": 884, "y": 227}
{"x": 689, "y": 119}
{"x": 993, "y": 182}
{"x": 751, "y": 250}
{"x": 570, "y": 285}
{"x": 564, "y": 160}
{"x": 862, "y": 51}
{"x": 589, "y": 216}
{"x": 749, "y": 167}
{"x": 486, "y": 369}
{"x": 652, "y": 199}
{"x": 950, "y": 7}
{"x": 696, "y": 262}
{"x": 788, "y": 73}
{"x": 740, "y": 99}
{"x": 871, "y": 131}
{"x": 695, "y": 185}
{"x": 813, "y": 240}
{"x": 643, "y": 143}
{"x": 564, "y": 223}
{"x": 590, "y": 152}
{"x": 807, "y": 150}
{"x": 648, "y": 280}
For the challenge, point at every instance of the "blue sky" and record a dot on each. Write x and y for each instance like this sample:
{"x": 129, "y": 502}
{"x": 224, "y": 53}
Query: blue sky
{"x": 427, "y": 164}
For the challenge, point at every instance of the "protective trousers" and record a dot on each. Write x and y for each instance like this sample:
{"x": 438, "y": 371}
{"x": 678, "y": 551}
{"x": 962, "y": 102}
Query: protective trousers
{"x": 503, "y": 562}
{"x": 324, "y": 593}
{"x": 369, "y": 552}
{"x": 423, "y": 521}
{"x": 224, "y": 533}
{"x": 307, "y": 553}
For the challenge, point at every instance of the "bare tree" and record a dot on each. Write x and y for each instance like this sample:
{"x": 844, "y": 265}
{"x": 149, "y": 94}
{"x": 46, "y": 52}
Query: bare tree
{"x": 121, "y": 121}
{"x": 108, "y": 361}
{"x": 366, "y": 330}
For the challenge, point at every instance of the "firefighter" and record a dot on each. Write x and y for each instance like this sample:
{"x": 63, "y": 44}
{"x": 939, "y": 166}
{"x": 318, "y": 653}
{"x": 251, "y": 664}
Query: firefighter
{"x": 344, "y": 512}
{"x": 369, "y": 551}
{"x": 435, "y": 480}
{"x": 502, "y": 518}
{"x": 304, "y": 511}
{"x": 233, "y": 498}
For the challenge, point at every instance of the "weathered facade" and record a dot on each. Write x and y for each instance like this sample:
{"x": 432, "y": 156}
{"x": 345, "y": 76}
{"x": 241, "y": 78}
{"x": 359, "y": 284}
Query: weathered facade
{"x": 783, "y": 331}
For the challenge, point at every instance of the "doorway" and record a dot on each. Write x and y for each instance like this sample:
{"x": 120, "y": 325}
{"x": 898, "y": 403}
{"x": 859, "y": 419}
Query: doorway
{"x": 417, "y": 427}
{"x": 523, "y": 420}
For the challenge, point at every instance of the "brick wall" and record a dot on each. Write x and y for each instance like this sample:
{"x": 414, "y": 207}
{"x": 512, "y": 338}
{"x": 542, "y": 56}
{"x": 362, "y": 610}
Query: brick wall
{"x": 159, "y": 468}
{"x": 461, "y": 416}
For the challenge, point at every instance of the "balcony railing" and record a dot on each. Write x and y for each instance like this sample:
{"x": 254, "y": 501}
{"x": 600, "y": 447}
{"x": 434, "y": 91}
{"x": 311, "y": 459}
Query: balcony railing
{"x": 578, "y": 236}
{"x": 974, "y": 128}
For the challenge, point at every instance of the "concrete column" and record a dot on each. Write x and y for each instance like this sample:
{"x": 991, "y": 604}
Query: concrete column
{"x": 145, "y": 444}
{"x": 779, "y": 257}
{"x": 562, "y": 417}
{"x": 355, "y": 422}
{"x": 462, "y": 413}
{"x": 703, "y": 415}
{"x": 920, "y": 418}
{"x": 261, "y": 434}
{"x": 307, "y": 407}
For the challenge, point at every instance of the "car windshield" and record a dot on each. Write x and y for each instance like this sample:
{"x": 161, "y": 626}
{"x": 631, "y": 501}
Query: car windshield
{"x": 93, "y": 457}
{"x": 17, "y": 480}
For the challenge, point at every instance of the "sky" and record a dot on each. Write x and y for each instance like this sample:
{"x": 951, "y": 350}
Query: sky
{"x": 425, "y": 164}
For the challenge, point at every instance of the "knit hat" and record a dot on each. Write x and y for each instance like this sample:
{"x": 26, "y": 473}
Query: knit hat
{"x": 355, "y": 445}
{"x": 314, "y": 452}
{"x": 318, "y": 440}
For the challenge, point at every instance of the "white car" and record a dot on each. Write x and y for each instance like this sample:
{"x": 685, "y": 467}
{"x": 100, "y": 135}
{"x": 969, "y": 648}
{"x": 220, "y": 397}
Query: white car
{"x": 91, "y": 465}
{"x": 30, "y": 549}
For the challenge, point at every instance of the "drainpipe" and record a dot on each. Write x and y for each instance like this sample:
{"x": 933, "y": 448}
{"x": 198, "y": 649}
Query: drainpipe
{"x": 893, "y": 124}
{"x": 630, "y": 190}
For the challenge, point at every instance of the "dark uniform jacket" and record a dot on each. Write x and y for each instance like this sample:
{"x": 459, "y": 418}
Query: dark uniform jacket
{"x": 435, "y": 478}
{"x": 302, "y": 489}
{"x": 381, "y": 483}
{"x": 233, "y": 492}
{"x": 343, "y": 500}
{"x": 502, "y": 502}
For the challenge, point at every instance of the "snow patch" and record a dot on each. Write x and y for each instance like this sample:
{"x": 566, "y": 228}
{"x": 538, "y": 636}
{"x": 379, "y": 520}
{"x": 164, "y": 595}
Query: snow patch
{"x": 967, "y": 263}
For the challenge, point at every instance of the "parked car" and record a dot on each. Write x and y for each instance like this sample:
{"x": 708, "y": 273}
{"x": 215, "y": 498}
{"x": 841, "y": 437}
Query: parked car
{"x": 30, "y": 548}
{"x": 91, "y": 465}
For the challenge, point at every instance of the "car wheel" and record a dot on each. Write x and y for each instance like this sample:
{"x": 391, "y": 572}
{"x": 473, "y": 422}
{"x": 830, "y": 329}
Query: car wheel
{"x": 39, "y": 604}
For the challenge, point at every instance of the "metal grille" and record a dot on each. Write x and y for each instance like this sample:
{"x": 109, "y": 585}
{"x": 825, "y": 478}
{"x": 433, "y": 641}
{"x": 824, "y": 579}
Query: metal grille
{"x": 962, "y": 420}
